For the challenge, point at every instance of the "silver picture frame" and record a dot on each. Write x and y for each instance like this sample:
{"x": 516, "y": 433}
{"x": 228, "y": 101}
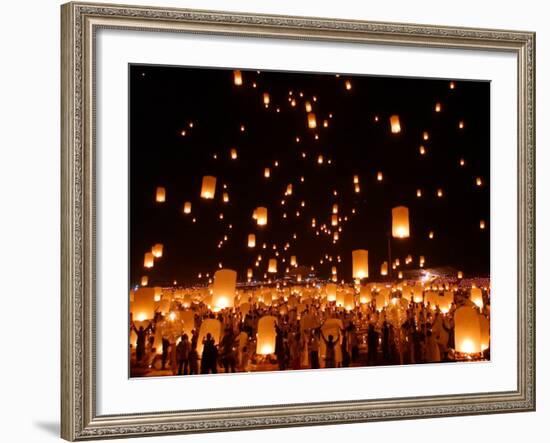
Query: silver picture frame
{"x": 80, "y": 22}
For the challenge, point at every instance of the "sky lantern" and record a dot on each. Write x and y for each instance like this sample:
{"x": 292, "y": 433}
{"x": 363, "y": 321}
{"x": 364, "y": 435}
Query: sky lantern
{"x": 160, "y": 194}
{"x": 266, "y": 99}
{"x": 288, "y": 189}
{"x": 208, "y": 188}
{"x": 261, "y": 216}
{"x": 267, "y": 172}
{"x": 438, "y": 107}
{"x": 334, "y": 220}
{"x": 308, "y": 106}
{"x": 476, "y": 297}
{"x": 233, "y": 153}
{"x": 421, "y": 261}
{"x": 348, "y": 85}
{"x": 335, "y": 208}
{"x": 225, "y": 197}
{"x": 379, "y": 176}
{"x": 143, "y": 306}
{"x": 482, "y": 224}
{"x": 223, "y": 288}
{"x": 340, "y": 298}
{"x": 360, "y": 262}
{"x": 422, "y": 150}
{"x": 272, "y": 266}
{"x": 467, "y": 330}
{"x": 419, "y": 193}
{"x": 460, "y": 124}
{"x": 384, "y": 268}
{"x": 331, "y": 291}
{"x": 249, "y": 273}
{"x": 144, "y": 280}
{"x": 251, "y": 240}
{"x": 459, "y": 275}
{"x": 157, "y": 250}
{"x": 418, "y": 293}
{"x": 446, "y": 301}
{"x": 237, "y": 78}
{"x": 349, "y": 301}
{"x": 431, "y": 235}
{"x": 440, "y": 192}
{"x": 149, "y": 260}
{"x": 395, "y": 124}
{"x": 293, "y": 261}
{"x": 400, "y": 222}
{"x": 479, "y": 181}
{"x": 210, "y": 326}
{"x": 320, "y": 159}
{"x": 425, "y": 135}
{"x": 311, "y": 121}
{"x": 452, "y": 85}
{"x": 365, "y": 295}
{"x": 265, "y": 342}
{"x": 187, "y": 208}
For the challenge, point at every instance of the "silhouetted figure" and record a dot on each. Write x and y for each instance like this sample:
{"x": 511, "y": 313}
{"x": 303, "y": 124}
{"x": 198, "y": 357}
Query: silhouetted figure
{"x": 141, "y": 339}
{"x": 330, "y": 353}
{"x": 209, "y": 356}
{"x": 372, "y": 342}
{"x": 165, "y": 346}
{"x": 314, "y": 349}
{"x": 183, "y": 354}
{"x": 193, "y": 360}
{"x": 280, "y": 348}
{"x": 227, "y": 351}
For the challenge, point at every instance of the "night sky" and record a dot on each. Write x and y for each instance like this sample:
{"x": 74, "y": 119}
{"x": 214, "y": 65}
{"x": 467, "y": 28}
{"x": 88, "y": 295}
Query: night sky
{"x": 164, "y": 100}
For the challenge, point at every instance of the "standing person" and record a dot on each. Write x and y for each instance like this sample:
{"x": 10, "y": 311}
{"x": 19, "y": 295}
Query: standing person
{"x": 183, "y": 355}
{"x": 314, "y": 349}
{"x": 165, "y": 346}
{"x": 386, "y": 341}
{"x": 227, "y": 351}
{"x": 372, "y": 342}
{"x": 174, "y": 358}
{"x": 193, "y": 360}
{"x": 280, "y": 347}
{"x": 330, "y": 353}
{"x": 141, "y": 339}
{"x": 209, "y": 360}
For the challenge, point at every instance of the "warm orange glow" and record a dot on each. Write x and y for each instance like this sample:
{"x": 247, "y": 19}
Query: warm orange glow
{"x": 379, "y": 176}
{"x": 384, "y": 268}
{"x": 400, "y": 222}
{"x": 311, "y": 121}
{"x": 160, "y": 195}
{"x": 267, "y": 172}
{"x": 422, "y": 150}
{"x": 395, "y": 124}
{"x": 266, "y": 99}
{"x": 233, "y": 154}
{"x": 251, "y": 240}
{"x": 272, "y": 266}
{"x": 149, "y": 260}
{"x": 157, "y": 250}
{"x": 360, "y": 263}
{"x": 208, "y": 188}
{"x": 482, "y": 224}
{"x": 144, "y": 280}
{"x": 438, "y": 107}
{"x": 237, "y": 78}
{"x": 261, "y": 216}
{"x": 187, "y": 208}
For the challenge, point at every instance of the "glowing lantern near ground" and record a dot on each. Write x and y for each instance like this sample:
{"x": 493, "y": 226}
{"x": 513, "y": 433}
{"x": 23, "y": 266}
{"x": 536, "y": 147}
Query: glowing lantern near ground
{"x": 467, "y": 330}
{"x": 272, "y": 266}
{"x": 249, "y": 273}
{"x": 187, "y": 208}
{"x": 223, "y": 288}
{"x": 157, "y": 250}
{"x": 460, "y": 274}
{"x": 161, "y": 194}
{"x": 237, "y": 78}
{"x": 267, "y": 173}
{"x": 209, "y": 326}
{"x": 144, "y": 280}
{"x": 400, "y": 222}
{"x": 384, "y": 268}
{"x": 261, "y": 216}
{"x": 400, "y": 275}
{"x": 418, "y": 293}
{"x": 421, "y": 261}
{"x": 208, "y": 188}
{"x": 266, "y": 98}
{"x": 395, "y": 124}
{"x": 360, "y": 263}
{"x": 476, "y": 296}
{"x": 233, "y": 153}
{"x": 349, "y": 301}
{"x": 311, "y": 121}
{"x": 149, "y": 260}
{"x": 265, "y": 343}
{"x": 331, "y": 292}
{"x": 251, "y": 240}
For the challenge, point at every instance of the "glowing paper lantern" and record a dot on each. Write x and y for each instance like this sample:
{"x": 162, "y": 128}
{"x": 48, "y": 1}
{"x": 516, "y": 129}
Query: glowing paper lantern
{"x": 334, "y": 220}
{"x": 144, "y": 280}
{"x": 161, "y": 195}
{"x": 265, "y": 343}
{"x": 365, "y": 295}
{"x": 438, "y": 107}
{"x": 208, "y": 187}
{"x": 223, "y": 288}
{"x": 157, "y": 250}
{"x": 308, "y": 106}
{"x": 418, "y": 293}
{"x": 400, "y": 222}
{"x": 311, "y": 121}
{"x": 482, "y": 224}
{"x": 249, "y": 273}
{"x": 233, "y": 153}
{"x": 331, "y": 292}
{"x": 251, "y": 240}
{"x": 446, "y": 301}
{"x": 267, "y": 173}
{"x": 149, "y": 260}
{"x": 395, "y": 124}
{"x": 143, "y": 306}
{"x": 237, "y": 78}
{"x": 212, "y": 326}
{"x": 293, "y": 261}
{"x": 187, "y": 208}
{"x": 460, "y": 274}
{"x": 349, "y": 301}
{"x": 384, "y": 268}
{"x": 360, "y": 262}
{"x": 272, "y": 266}
{"x": 266, "y": 99}
{"x": 476, "y": 297}
{"x": 379, "y": 176}
{"x": 225, "y": 197}
{"x": 261, "y": 216}
{"x": 467, "y": 330}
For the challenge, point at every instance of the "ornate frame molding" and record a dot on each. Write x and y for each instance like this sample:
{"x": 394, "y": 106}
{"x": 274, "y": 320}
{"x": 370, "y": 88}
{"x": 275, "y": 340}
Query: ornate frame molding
{"x": 79, "y": 420}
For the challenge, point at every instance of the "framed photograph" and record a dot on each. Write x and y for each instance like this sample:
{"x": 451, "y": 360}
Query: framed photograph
{"x": 277, "y": 221}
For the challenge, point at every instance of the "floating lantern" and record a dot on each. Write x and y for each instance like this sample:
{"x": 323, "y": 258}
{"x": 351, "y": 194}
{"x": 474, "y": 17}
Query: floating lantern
{"x": 223, "y": 288}
{"x": 451, "y": 85}
{"x": 233, "y": 154}
{"x": 308, "y": 106}
{"x": 476, "y": 296}
{"x": 210, "y": 326}
{"x": 422, "y": 150}
{"x": 288, "y": 189}
{"x": 400, "y": 275}
{"x": 157, "y": 249}
{"x": 144, "y": 280}
{"x": 267, "y": 173}
{"x": 425, "y": 135}
{"x": 462, "y": 162}
{"x": 360, "y": 261}
{"x": 161, "y": 194}
{"x": 251, "y": 240}
{"x": 331, "y": 292}
{"x": 149, "y": 260}
{"x": 266, "y": 99}
{"x": 384, "y": 268}
{"x": 485, "y": 332}
{"x": 143, "y": 306}
{"x": 440, "y": 192}
{"x": 460, "y": 275}
{"x": 395, "y": 124}
{"x": 225, "y": 197}
{"x": 249, "y": 273}
{"x": 357, "y": 189}
{"x": 482, "y": 224}
{"x": 334, "y": 220}
{"x": 187, "y": 208}
{"x": 265, "y": 343}
{"x": 311, "y": 121}
{"x": 237, "y": 78}
{"x": 365, "y": 295}
{"x": 417, "y": 293}
{"x": 421, "y": 261}
{"x": 479, "y": 181}
{"x": 460, "y": 124}
{"x": 467, "y": 330}
{"x": 379, "y": 176}
{"x": 438, "y": 107}
{"x": 334, "y": 271}
{"x": 272, "y": 266}
{"x": 293, "y": 261}
{"x": 261, "y": 216}
{"x": 348, "y": 85}
{"x": 431, "y": 235}
{"x": 208, "y": 188}
{"x": 400, "y": 222}
{"x": 320, "y": 159}
{"x": 419, "y": 193}
{"x": 355, "y": 179}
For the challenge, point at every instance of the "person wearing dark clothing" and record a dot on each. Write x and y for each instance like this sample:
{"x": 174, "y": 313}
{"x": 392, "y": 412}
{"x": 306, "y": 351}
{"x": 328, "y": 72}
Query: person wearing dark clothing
{"x": 280, "y": 348}
{"x": 141, "y": 339}
{"x": 227, "y": 351}
{"x": 372, "y": 342}
{"x": 183, "y": 354}
{"x": 209, "y": 358}
{"x": 193, "y": 360}
{"x": 165, "y": 346}
{"x": 386, "y": 341}
{"x": 330, "y": 353}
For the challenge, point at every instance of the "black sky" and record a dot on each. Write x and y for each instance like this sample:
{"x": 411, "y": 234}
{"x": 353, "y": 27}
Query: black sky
{"x": 163, "y": 100}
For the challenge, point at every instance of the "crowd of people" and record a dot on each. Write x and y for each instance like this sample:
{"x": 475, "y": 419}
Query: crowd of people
{"x": 316, "y": 337}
